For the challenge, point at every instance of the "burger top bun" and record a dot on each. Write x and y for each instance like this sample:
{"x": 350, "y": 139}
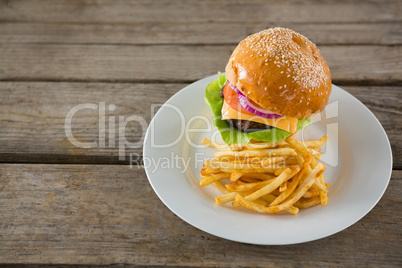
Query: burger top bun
{"x": 282, "y": 71}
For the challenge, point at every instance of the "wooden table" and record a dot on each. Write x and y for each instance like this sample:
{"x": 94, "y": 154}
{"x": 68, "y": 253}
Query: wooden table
{"x": 60, "y": 204}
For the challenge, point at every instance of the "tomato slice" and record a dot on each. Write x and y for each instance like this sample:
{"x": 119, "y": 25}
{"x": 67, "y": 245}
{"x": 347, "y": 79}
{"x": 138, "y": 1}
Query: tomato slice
{"x": 232, "y": 99}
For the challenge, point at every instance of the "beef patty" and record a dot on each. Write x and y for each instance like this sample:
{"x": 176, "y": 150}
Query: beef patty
{"x": 245, "y": 125}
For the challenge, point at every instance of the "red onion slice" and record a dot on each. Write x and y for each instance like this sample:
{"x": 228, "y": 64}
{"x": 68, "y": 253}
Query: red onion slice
{"x": 245, "y": 102}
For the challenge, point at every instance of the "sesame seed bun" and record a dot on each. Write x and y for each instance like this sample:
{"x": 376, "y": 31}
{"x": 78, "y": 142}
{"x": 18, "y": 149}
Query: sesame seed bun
{"x": 282, "y": 71}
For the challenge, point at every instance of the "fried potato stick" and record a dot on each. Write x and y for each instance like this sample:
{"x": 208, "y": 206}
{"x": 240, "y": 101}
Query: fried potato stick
{"x": 206, "y": 180}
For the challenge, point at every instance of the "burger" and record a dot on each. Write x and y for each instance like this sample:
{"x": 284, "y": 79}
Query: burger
{"x": 275, "y": 81}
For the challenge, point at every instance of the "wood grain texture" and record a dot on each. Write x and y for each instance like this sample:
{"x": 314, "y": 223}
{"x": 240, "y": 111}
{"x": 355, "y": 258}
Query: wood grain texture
{"x": 75, "y": 214}
{"x": 32, "y": 118}
{"x": 194, "y": 33}
{"x": 170, "y": 63}
{"x": 200, "y": 11}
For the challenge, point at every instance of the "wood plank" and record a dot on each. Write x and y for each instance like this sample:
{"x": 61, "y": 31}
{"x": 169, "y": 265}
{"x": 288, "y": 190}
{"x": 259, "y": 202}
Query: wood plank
{"x": 32, "y": 118}
{"x": 170, "y": 63}
{"x": 200, "y": 11}
{"x": 195, "y": 33}
{"x": 75, "y": 214}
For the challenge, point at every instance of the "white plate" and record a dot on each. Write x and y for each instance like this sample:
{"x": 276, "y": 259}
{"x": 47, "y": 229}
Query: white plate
{"x": 358, "y": 159}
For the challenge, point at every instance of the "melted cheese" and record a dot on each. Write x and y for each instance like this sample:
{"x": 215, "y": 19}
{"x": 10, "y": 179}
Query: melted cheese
{"x": 286, "y": 123}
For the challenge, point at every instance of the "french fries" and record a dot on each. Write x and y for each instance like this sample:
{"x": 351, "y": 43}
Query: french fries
{"x": 317, "y": 143}
{"x": 268, "y": 177}
{"x": 256, "y": 152}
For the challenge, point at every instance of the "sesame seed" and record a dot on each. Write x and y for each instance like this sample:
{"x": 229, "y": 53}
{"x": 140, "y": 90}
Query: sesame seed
{"x": 278, "y": 65}
{"x": 280, "y": 87}
{"x": 300, "y": 101}
{"x": 251, "y": 55}
{"x": 265, "y": 88}
{"x": 284, "y": 86}
{"x": 288, "y": 75}
{"x": 281, "y": 72}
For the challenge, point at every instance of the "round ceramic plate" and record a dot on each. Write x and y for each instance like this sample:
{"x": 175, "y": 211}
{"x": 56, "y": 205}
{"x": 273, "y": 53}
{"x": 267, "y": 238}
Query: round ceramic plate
{"x": 357, "y": 156}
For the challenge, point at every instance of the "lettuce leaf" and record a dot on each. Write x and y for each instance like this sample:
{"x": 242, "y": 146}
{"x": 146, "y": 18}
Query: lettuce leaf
{"x": 230, "y": 134}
